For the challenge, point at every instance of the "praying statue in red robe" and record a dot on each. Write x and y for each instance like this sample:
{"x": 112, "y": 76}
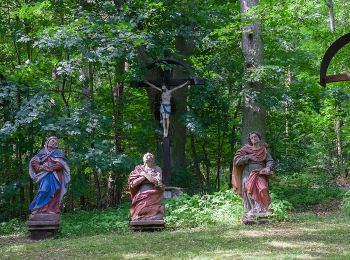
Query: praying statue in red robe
{"x": 146, "y": 188}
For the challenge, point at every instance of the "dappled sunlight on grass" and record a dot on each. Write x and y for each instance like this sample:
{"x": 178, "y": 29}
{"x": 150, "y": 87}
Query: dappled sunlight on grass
{"x": 15, "y": 248}
{"x": 253, "y": 233}
{"x": 138, "y": 256}
{"x": 10, "y": 240}
{"x": 303, "y": 244}
{"x": 271, "y": 231}
{"x": 318, "y": 237}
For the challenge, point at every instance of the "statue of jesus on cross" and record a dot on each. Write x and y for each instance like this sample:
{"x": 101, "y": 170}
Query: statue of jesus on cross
{"x": 165, "y": 106}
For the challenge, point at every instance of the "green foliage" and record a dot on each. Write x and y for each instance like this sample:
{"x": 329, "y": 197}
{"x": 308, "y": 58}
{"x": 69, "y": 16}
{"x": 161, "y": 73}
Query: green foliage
{"x": 303, "y": 189}
{"x": 324, "y": 236}
{"x": 95, "y": 222}
{"x": 75, "y": 52}
{"x": 280, "y": 208}
{"x": 345, "y": 203}
{"x": 191, "y": 211}
{"x": 13, "y": 227}
{"x": 80, "y": 223}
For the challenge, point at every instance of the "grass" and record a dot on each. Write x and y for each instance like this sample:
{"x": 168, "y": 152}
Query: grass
{"x": 306, "y": 235}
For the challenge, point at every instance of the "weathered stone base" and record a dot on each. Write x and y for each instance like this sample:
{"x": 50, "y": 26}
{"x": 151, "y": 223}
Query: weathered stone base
{"x": 146, "y": 225}
{"x": 170, "y": 192}
{"x": 43, "y": 226}
{"x": 253, "y": 221}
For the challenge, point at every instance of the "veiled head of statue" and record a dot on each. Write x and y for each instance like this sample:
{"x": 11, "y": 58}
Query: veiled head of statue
{"x": 148, "y": 157}
{"x": 51, "y": 143}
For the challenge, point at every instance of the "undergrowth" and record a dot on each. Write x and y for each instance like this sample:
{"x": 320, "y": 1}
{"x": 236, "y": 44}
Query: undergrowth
{"x": 95, "y": 222}
{"x": 197, "y": 210}
{"x": 305, "y": 189}
{"x": 183, "y": 211}
{"x": 345, "y": 204}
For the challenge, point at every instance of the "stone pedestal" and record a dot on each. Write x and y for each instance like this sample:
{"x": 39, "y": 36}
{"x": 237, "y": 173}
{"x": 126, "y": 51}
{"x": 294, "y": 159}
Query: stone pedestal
{"x": 257, "y": 220}
{"x": 146, "y": 225}
{"x": 170, "y": 192}
{"x": 42, "y": 226}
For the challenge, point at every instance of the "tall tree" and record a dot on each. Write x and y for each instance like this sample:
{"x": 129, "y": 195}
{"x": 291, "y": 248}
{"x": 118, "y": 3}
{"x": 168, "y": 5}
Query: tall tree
{"x": 338, "y": 120}
{"x": 254, "y": 115}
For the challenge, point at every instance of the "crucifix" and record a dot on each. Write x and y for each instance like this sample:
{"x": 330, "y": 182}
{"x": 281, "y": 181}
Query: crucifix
{"x": 165, "y": 106}
{"x": 167, "y": 86}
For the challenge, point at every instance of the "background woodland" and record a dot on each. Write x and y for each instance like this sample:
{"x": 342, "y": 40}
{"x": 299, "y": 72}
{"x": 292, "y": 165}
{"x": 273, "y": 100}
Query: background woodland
{"x": 66, "y": 68}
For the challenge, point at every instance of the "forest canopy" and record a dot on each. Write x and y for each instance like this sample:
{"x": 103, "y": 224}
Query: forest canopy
{"x": 66, "y": 69}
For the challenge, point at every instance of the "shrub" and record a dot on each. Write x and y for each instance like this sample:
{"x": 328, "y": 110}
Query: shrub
{"x": 304, "y": 188}
{"x": 14, "y": 226}
{"x": 345, "y": 203}
{"x": 95, "y": 222}
{"x": 198, "y": 210}
{"x": 220, "y": 207}
{"x": 280, "y": 208}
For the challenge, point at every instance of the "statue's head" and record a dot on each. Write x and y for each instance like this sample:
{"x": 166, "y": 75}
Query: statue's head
{"x": 164, "y": 88}
{"x": 148, "y": 158}
{"x": 254, "y": 137}
{"x": 51, "y": 143}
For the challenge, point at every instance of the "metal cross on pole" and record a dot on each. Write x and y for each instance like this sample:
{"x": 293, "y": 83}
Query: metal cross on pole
{"x": 167, "y": 85}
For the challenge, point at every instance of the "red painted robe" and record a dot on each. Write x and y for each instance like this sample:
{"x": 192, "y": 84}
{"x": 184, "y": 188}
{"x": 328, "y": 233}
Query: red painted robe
{"x": 146, "y": 196}
{"x": 257, "y": 184}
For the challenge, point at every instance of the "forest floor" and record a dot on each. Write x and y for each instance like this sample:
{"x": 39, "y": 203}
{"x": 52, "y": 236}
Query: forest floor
{"x": 316, "y": 233}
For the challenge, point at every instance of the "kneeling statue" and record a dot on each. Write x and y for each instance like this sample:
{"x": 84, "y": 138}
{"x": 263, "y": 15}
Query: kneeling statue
{"x": 146, "y": 188}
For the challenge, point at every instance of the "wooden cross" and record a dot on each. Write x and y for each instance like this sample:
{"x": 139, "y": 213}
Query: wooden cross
{"x": 171, "y": 85}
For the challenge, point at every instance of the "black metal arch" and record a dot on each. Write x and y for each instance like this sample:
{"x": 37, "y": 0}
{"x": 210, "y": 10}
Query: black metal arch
{"x": 330, "y": 53}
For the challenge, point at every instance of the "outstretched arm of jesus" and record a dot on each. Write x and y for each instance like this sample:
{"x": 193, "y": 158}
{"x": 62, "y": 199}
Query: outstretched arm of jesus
{"x": 180, "y": 86}
{"x": 152, "y": 86}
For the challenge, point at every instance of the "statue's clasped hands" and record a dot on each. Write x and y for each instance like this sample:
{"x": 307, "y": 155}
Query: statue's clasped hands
{"x": 45, "y": 167}
{"x": 265, "y": 171}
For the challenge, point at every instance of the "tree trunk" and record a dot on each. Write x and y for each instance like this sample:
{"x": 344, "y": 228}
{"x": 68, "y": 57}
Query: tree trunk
{"x": 331, "y": 15}
{"x": 254, "y": 114}
{"x": 179, "y": 108}
{"x": 21, "y": 173}
{"x": 196, "y": 168}
{"x": 31, "y": 153}
{"x": 207, "y": 163}
{"x": 338, "y": 125}
{"x": 234, "y": 138}
{"x": 110, "y": 191}
{"x": 117, "y": 108}
{"x": 178, "y": 156}
{"x": 218, "y": 157}
{"x": 338, "y": 122}
{"x": 97, "y": 189}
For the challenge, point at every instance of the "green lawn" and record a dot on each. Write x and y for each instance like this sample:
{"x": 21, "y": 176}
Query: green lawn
{"x": 306, "y": 235}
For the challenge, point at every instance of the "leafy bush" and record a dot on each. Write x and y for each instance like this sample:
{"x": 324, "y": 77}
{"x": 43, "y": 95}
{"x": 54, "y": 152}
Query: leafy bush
{"x": 345, "y": 204}
{"x": 280, "y": 208}
{"x": 14, "y": 226}
{"x": 181, "y": 211}
{"x": 303, "y": 189}
{"x": 221, "y": 207}
{"x": 197, "y": 210}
